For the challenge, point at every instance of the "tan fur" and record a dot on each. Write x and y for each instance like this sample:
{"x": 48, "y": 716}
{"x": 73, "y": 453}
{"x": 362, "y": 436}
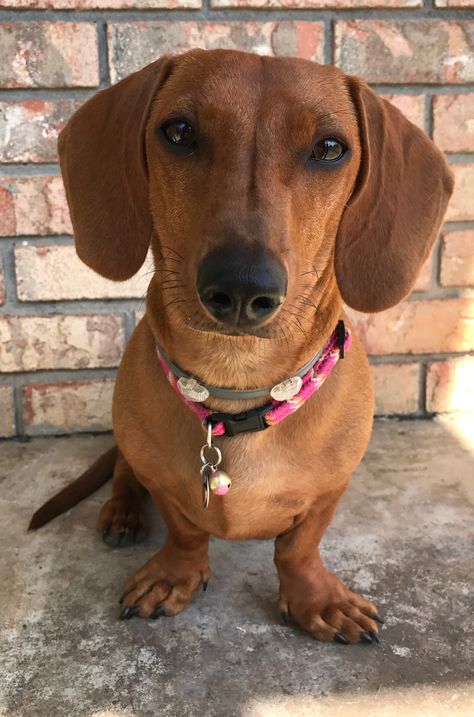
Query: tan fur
{"x": 360, "y": 230}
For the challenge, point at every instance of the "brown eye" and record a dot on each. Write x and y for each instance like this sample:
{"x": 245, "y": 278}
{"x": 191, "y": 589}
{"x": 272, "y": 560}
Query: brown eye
{"x": 180, "y": 135}
{"x": 328, "y": 150}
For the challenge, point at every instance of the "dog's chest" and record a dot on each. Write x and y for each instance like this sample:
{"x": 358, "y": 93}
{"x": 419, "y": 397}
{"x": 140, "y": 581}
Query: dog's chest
{"x": 269, "y": 491}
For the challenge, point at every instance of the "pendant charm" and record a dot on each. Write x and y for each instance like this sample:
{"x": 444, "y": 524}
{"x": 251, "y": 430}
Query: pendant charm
{"x": 286, "y": 389}
{"x": 219, "y": 482}
{"x": 192, "y": 390}
{"x": 205, "y": 470}
{"x": 213, "y": 479}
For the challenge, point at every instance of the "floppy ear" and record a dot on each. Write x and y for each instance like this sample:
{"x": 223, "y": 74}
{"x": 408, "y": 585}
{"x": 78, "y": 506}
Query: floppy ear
{"x": 103, "y": 163}
{"x": 396, "y": 209}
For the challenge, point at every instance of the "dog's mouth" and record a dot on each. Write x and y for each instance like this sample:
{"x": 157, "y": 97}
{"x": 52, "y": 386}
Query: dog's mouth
{"x": 272, "y": 330}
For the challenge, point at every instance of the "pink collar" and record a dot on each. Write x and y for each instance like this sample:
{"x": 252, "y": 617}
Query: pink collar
{"x": 272, "y": 413}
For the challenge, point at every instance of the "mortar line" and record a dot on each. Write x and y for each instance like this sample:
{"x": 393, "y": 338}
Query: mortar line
{"x": 233, "y": 14}
{"x": 423, "y": 374}
{"x": 71, "y": 307}
{"x": 58, "y": 375}
{"x": 104, "y": 70}
{"x": 417, "y": 358}
{"x": 328, "y": 49}
{"x": 9, "y": 276}
{"x": 428, "y": 114}
{"x": 436, "y": 269}
{"x": 18, "y": 410}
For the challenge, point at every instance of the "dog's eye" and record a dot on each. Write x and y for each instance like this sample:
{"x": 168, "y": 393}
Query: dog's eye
{"x": 328, "y": 150}
{"x": 180, "y": 134}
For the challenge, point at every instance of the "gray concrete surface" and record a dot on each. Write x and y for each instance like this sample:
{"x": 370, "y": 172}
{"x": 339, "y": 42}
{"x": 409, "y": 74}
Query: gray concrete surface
{"x": 402, "y": 536}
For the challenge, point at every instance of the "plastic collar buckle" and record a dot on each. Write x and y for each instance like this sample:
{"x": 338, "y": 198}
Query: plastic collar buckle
{"x": 245, "y": 422}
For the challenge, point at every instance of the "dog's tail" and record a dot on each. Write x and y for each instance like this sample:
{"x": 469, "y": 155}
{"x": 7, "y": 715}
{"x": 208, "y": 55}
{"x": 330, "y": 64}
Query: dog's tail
{"x": 95, "y": 476}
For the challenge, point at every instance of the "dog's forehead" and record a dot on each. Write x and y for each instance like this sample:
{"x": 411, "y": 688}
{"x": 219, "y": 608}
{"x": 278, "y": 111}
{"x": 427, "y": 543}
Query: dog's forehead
{"x": 234, "y": 79}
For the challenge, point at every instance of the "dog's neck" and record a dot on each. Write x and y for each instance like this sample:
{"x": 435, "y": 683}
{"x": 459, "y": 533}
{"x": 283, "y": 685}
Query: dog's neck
{"x": 244, "y": 362}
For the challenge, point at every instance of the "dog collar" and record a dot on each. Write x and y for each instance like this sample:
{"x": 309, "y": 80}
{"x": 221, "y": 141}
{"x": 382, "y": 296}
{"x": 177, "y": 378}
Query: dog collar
{"x": 195, "y": 390}
{"x": 311, "y": 377}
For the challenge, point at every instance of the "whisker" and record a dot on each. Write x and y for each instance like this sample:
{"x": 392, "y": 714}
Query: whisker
{"x": 170, "y": 248}
{"x": 176, "y": 300}
{"x": 170, "y": 288}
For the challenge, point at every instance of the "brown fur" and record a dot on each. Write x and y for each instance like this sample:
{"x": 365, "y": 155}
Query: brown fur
{"x": 358, "y": 232}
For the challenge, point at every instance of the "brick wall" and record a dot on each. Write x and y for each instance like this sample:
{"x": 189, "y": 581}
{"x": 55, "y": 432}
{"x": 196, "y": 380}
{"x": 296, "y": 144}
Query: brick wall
{"x": 63, "y": 329}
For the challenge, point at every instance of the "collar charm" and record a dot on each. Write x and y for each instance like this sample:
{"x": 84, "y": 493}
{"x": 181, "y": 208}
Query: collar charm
{"x": 287, "y": 389}
{"x": 192, "y": 390}
{"x": 213, "y": 479}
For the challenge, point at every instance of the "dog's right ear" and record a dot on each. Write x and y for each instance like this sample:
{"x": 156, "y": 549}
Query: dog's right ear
{"x": 103, "y": 163}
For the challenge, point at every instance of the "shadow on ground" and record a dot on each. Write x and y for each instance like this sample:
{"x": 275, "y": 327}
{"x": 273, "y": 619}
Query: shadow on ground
{"x": 401, "y": 537}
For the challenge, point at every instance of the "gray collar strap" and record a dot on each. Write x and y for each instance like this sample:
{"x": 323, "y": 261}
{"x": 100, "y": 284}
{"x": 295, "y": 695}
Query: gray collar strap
{"x": 195, "y": 390}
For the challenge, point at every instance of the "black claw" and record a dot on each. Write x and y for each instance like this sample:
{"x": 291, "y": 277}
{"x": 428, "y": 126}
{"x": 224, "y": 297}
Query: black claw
{"x": 285, "y": 616}
{"x": 159, "y": 612}
{"x": 122, "y": 598}
{"x": 122, "y": 534}
{"x": 365, "y": 637}
{"x": 378, "y": 619}
{"x": 374, "y": 636}
{"x": 128, "y": 612}
{"x": 340, "y": 638}
{"x": 204, "y": 585}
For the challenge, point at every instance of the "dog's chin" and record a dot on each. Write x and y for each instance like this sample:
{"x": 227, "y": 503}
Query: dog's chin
{"x": 266, "y": 331}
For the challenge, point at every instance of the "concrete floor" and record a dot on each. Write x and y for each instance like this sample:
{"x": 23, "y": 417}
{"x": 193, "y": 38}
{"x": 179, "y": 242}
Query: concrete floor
{"x": 401, "y": 536}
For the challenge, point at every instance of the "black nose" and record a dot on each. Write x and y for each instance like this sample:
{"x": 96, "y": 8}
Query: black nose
{"x": 241, "y": 285}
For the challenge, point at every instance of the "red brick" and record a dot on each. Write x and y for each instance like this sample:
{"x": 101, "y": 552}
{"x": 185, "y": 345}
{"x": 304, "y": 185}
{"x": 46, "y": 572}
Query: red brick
{"x": 457, "y": 259}
{"x": 412, "y": 106}
{"x": 294, "y": 4}
{"x": 67, "y": 407}
{"x": 461, "y": 206}
{"x": 396, "y": 388}
{"x": 55, "y": 272}
{"x": 7, "y": 412}
{"x": 33, "y": 205}
{"x": 453, "y": 122}
{"x": 133, "y": 45}
{"x": 398, "y": 51}
{"x": 101, "y": 4}
{"x": 419, "y": 327}
{"x": 29, "y": 129}
{"x": 450, "y": 385}
{"x": 48, "y": 54}
{"x": 423, "y": 281}
{"x": 32, "y": 343}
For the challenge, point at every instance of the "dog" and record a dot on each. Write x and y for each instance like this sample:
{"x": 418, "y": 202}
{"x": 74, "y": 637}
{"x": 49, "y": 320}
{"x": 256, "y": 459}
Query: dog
{"x": 271, "y": 190}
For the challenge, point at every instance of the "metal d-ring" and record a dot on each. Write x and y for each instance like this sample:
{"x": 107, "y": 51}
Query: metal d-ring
{"x": 208, "y": 461}
{"x": 211, "y": 446}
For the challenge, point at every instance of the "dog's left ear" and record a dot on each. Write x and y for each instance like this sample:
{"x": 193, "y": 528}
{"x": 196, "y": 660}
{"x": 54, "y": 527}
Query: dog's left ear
{"x": 396, "y": 209}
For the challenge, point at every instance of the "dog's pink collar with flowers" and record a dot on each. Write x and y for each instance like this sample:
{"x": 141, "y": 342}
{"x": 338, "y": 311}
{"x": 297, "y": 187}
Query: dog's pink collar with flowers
{"x": 230, "y": 424}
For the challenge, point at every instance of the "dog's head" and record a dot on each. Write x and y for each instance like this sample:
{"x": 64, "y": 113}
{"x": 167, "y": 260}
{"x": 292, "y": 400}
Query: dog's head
{"x": 268, "y": 187}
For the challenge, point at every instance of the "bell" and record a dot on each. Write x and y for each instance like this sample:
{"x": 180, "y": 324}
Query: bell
{"x": 219, "y": 482}
{"x": 192, "y": 390}
{"x": 286, "y": 389}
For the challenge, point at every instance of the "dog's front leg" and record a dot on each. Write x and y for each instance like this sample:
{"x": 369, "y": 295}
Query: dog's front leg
{"x": 318, "y": 601}
{"x": 165, "y": 585}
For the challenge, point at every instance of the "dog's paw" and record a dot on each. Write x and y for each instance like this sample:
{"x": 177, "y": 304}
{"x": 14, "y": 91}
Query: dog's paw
{"x": 164, "y": 586}
{"x": 121, "y": 522}
{"x": 330, "y": 611}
